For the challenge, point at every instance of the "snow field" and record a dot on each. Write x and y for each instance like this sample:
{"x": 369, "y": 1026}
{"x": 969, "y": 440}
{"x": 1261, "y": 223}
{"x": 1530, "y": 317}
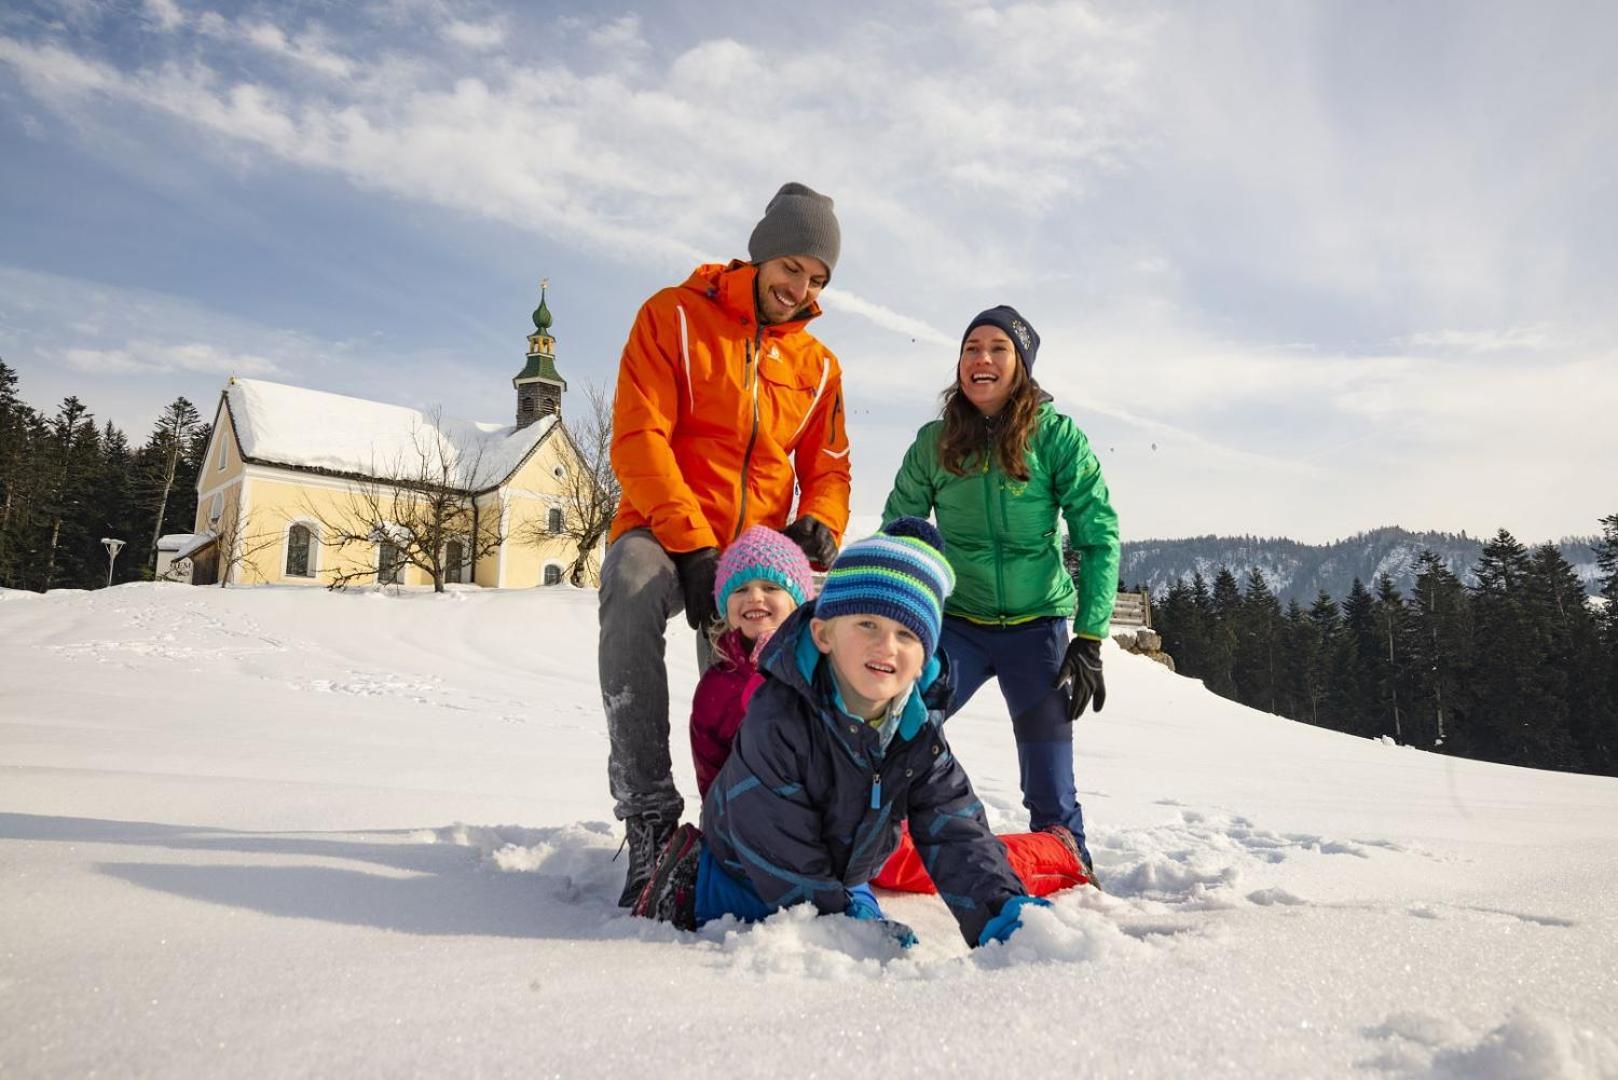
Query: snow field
{"x": 276, "y": 831}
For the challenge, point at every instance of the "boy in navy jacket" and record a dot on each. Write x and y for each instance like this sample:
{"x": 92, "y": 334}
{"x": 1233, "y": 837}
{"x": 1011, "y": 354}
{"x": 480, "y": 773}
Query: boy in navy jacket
{"x": 841, "y": 744}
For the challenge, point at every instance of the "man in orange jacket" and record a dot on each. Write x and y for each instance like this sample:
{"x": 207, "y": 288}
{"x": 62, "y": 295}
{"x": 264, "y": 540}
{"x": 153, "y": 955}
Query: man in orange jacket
{"x": 725, "y": 404}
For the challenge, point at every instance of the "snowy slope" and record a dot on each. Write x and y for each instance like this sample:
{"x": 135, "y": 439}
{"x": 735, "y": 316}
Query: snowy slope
{"x": 270, "y": 831}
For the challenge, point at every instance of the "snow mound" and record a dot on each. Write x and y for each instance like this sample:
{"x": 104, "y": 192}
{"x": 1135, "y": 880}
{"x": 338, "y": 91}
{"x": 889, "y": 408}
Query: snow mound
{"x": 1530, "y": 1043}
{"x": 576, "y": 859}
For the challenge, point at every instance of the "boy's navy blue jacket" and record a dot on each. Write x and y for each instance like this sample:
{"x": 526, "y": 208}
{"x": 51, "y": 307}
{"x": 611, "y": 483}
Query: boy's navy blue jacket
{"x": 809, "y": 804}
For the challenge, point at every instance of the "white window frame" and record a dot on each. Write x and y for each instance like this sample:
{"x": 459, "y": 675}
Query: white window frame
{"x": 216, "y": 508}
{"x": 377, "y": 563}
{"x": 561, "y": 575}
{"x": 314, "y": 549}
{"x": 224, "y": 452}
{"x": 464, "y": 571}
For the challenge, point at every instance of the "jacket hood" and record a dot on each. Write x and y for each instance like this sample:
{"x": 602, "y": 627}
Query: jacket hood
{"x": 792, "y": 657}
{"x": 730, "y": 285}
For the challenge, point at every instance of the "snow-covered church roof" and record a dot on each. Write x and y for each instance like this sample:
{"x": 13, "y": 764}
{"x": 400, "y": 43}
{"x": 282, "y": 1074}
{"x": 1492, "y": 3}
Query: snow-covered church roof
{"x": 312, "y": 429}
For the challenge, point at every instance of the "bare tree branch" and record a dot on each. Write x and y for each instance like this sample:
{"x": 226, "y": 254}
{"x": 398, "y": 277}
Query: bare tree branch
{"x": 417, "y": 506}
{"x": 234, "y": 545}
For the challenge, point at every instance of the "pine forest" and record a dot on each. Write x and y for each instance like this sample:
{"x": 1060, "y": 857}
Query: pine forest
{"x": 66, "y": 482}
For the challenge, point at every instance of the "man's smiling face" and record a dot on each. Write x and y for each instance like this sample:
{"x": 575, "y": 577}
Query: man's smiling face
{"x": 787, "y": 285}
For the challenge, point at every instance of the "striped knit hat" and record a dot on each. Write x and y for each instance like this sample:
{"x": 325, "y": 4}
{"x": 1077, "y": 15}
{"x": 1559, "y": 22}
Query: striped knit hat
{"x": 899, "y": 573}
{"x": 761, "y": 553}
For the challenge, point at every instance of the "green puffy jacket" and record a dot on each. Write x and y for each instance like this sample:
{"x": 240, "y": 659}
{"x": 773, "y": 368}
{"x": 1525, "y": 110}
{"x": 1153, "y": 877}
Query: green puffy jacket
{"x": 1000, "y": 532}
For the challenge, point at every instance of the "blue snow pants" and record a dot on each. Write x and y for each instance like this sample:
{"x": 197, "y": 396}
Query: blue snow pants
{"x": 719, "y": 894}
{"x": 1025, "y": 659}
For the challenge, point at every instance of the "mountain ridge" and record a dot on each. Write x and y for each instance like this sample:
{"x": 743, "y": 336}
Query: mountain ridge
{"x": 1300, "y": 571}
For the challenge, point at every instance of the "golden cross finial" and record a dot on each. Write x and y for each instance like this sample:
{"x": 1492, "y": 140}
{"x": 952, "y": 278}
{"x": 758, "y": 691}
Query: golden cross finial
{"x": 544, "y": 283}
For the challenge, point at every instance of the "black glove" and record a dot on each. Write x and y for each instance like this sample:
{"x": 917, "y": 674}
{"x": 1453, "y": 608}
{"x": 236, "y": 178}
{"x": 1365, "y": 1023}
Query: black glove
{"x": 815, "y": 540}
{"x": 696, "y": 569}
{"x": 1081, "y": 672}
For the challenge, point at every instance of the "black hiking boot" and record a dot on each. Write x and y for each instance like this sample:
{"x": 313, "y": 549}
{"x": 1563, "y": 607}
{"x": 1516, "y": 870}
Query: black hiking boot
{"x": 645, "y": 835}
{"x": 671, "y": 894}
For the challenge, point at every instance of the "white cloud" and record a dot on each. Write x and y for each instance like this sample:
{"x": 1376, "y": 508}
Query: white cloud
{"x": 1516, "y": 338}
{"x": 153, "y": 358}
{"x": 164, "y": 14}
{"x": 309, "y": 49}
{"x": 622, "y": 33}
{"x": 635, "y": 162}
{"x": 887, "y": 318}
{"x": 475, "y": 35}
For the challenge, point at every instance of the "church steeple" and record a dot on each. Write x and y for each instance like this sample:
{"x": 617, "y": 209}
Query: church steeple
{"x": 539, "y": 387}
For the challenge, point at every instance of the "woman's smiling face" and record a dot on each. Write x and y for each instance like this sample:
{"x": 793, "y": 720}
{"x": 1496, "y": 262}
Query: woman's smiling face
{"x": 988, "y": 368}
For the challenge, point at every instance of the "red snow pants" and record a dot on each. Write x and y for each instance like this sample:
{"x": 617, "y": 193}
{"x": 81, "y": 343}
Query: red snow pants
{"x": 1042, "y": 861}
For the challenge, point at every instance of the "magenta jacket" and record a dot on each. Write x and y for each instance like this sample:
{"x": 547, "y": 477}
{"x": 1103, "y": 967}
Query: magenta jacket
{"x": 719, "y": 704}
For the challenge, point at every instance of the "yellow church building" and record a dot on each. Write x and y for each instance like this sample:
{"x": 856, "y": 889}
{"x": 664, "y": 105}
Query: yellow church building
{"x": 306, "y": 487}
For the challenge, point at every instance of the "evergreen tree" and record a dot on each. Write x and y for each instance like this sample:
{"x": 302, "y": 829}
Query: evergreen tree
{"x": 1441, "y": 652}
{"x": 1575, "y": 698}
{"x": 1356, "y": 676}
{"x": 1199, "y": 643}
{"x": 1172, "y": 617}
{"x": 18, "y": 427}
{"x": 1257, "y": 664}
{"x": 1294, "y": 681}
{"x": 163, "y": 461}
{"x": 1508, "y": 688}
{"x": 110, "y": 510}
{"x": 1392, "y": 658}
{"x": 72, "y": 457}
{"x": 1606, "y": 549}
{"x": 182, "y": 512}
{"x": 1224, "y": 609}
{"x": 1321, "y": 631}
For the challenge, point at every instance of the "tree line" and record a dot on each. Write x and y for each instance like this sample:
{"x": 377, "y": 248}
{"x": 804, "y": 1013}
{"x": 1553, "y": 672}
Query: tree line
{"x": 66, "y": 482}
{"x": 1520, "y": 668}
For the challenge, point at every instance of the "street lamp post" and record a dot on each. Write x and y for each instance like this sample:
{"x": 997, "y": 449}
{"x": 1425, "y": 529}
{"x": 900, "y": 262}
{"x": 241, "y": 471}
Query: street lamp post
{"x": 113, "y": 548}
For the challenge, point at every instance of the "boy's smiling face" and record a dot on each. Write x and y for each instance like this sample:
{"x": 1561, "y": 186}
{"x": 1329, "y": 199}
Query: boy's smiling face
{"x": 758, "y": 607}
{"x": 874, "y": 657}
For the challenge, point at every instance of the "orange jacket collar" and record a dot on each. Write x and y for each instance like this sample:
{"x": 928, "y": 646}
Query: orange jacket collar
{"x": 732, "y": 285}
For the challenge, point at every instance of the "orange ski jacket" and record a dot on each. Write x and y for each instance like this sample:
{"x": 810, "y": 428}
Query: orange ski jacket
{"x": 717, "y": 417}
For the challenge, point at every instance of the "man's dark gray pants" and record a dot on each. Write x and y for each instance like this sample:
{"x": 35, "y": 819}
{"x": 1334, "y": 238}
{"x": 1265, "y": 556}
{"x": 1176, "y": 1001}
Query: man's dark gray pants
{"x": 640, "y": 593}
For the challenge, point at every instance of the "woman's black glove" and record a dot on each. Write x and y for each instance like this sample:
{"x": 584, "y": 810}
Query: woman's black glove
{"x": 814, "y": 538}
{"x": 1081, "y": 672}
{"x": 696, "y": 570}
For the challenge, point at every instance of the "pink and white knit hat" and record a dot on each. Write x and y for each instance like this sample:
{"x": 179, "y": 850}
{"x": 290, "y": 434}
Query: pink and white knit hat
{"x": 763, "y": 553}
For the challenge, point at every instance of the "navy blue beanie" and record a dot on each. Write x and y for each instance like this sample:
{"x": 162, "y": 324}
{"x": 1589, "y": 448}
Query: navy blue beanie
{"x": 1024, "y": 338}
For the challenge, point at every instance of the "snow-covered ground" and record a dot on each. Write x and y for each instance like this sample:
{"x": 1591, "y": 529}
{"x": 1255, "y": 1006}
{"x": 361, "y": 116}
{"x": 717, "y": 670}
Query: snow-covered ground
{"x": 275, "y": 831}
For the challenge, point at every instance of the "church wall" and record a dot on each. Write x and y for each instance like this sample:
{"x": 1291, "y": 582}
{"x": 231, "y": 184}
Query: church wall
{"x": 277, "y": 501}
{"x": 531, "y": 494}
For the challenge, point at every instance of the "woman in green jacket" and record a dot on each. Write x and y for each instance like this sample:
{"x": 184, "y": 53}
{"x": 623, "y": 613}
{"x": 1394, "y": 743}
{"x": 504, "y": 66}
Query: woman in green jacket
{"x": 995, "y": 471}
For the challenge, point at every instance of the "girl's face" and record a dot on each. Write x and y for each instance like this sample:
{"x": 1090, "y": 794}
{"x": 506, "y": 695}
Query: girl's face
{"x": 988, "y": 369}
{"x": 758, "y": 607}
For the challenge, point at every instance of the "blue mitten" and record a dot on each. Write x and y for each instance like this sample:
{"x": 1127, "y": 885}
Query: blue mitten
{"x": 1002, "y": 926}
{"x": 862, "y": 905}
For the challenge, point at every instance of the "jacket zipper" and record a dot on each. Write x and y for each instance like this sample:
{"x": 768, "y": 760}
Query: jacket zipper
{"x": 994, "y": 536}
{"x": 750, "y": 373}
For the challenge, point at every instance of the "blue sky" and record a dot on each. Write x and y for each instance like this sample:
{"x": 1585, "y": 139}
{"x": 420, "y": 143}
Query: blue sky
{"x": 1300, "y": 269}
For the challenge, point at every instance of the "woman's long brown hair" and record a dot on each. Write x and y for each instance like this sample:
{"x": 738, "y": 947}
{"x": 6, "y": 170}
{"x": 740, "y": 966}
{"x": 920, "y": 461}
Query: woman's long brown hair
{"x": 967, "y": 432}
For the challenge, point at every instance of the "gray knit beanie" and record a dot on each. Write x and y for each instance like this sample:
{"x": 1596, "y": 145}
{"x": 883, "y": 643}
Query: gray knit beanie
{"x": 798, "y": 221}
